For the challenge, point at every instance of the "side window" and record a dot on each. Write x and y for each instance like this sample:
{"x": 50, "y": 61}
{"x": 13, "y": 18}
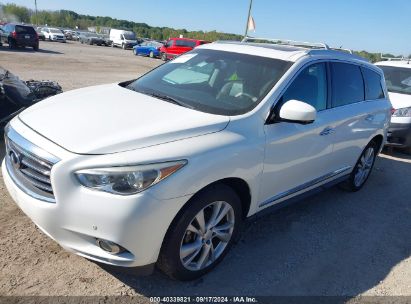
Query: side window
{"x": 170, "y": 43}
{"x": 310, "y": 86}
{"x": 347, "y": 84}
{"x": 373, "y": 88}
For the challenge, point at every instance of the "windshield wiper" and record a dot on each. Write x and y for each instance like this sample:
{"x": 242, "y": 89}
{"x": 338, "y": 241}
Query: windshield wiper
{"x": 169, "y": 99}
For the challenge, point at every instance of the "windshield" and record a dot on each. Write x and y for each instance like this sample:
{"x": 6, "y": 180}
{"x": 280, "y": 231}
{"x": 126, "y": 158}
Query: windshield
{"x": 55, "y": 31}
{"x": 398, "y": 79}
{"x": 212, "y": 81}
{"x": 129, "y": 36}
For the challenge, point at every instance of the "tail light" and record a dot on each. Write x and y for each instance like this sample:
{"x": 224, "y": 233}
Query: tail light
{"x": 37, "y": 36}
{"x": 14, "y": 34}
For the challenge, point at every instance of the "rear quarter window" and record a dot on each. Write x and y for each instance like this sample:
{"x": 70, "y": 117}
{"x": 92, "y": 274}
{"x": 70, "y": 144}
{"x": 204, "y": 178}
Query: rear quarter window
{"x": 347, "y": 84}
{"x": 373, "y": 88}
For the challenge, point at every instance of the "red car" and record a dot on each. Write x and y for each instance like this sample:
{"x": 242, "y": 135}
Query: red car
{"x": 177, "y": 46}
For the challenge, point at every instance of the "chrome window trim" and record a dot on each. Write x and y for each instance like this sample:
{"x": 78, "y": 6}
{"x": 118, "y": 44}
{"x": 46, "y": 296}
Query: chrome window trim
{"x": 304, "y": 186}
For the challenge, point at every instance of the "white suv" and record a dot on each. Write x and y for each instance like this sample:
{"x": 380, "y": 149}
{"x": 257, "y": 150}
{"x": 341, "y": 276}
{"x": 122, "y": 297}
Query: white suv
{"x": 164, "y": 169}
{"x": 53, "y": 34}
{"x": 398, "y": 79}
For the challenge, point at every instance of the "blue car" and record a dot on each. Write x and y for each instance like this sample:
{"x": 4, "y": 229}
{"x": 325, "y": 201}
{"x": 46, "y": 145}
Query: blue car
{"x": 148, "y": 48}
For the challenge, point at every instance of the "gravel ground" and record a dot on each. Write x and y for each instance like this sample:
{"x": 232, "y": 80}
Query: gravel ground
{"x": 334, "y": 243}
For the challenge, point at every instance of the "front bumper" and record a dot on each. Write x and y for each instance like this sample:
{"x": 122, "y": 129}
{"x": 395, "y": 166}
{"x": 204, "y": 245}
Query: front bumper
{"x": 79, "y": 215}
{"x": 138, "y": 224}
{"x": 399, "y": 135}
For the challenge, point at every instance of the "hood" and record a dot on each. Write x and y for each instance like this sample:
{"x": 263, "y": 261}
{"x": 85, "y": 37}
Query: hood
{"x": 399, "y": 101}
{"x": 109, "y": 119}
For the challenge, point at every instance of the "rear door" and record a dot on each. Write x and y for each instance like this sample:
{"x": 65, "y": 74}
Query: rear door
{"x": 359, "y": 108}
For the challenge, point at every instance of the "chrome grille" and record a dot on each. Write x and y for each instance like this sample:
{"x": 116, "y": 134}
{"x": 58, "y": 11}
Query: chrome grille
{"x": 29, "y": 166}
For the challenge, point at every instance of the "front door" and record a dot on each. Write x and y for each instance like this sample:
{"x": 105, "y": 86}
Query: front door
{"x": 299, "y": 157}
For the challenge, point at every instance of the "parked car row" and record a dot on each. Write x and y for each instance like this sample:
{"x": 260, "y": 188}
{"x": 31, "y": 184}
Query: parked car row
{"x": 169, "y": 50}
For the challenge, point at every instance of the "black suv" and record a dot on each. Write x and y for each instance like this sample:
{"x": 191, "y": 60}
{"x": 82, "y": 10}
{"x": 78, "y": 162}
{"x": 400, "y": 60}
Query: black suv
{"x": 16, "y": 35}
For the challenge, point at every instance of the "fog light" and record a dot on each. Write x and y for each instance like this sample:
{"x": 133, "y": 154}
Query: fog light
{"x": 110, "y": 247}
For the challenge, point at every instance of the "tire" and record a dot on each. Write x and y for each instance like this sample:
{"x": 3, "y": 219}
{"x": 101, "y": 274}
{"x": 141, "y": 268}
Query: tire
{"x": 12, "y": 44}
{"x": 135, "y": 52}
{"x": 164, "y": 56}
{"x": 123, "y": 46}
{"x": 36, "y": 47}
{"x": 192, "y": 263}
{"x": 367, "y": 160}
{"x": 151, "y": 54}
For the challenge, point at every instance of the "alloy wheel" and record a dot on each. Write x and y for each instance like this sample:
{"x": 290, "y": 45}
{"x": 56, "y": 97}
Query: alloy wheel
{"x": 364, "y": 166}
{"x": 207, "y": 235}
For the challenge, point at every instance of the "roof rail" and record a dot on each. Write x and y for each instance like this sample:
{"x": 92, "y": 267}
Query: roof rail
{"x": 343, "y": 50}
{"x": 395, "y": 58}
{"x": 317, "y": 45}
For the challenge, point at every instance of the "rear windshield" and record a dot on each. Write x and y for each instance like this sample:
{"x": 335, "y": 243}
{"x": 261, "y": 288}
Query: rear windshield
{"x": 398, "y": 79}
{"x": 213, "y": 81}
{"x": 25, "y": 29}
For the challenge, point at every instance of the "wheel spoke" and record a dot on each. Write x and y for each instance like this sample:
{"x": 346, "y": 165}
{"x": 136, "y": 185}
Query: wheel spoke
{"x": 216, "y": 211}
{"x": 223, "y": 236}
{"x": 202, "y": 260}
{"x": 189, "y": 248}
{"x": 201, "y": 221}
{"x": 222, "y": 213}
{"x": 194, "y": 229}
{"x": 224, "y": 226}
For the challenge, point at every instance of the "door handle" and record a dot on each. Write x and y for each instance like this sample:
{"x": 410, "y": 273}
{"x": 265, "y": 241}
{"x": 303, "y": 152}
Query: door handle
{"x": 327, "y": 131}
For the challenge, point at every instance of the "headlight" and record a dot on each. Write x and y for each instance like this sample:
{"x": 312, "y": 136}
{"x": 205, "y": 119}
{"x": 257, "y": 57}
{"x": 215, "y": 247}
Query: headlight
{"x": 127, "y": 180}
{"x": 403, "y": 112}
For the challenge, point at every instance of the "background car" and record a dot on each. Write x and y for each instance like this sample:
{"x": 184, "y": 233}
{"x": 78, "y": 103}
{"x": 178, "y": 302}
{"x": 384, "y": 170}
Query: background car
{"x": 17, "y": 35}
{"x": 40, "y": 34}
{"x": 398, "y": 79}
{"x": 91, "y": 38}
{"x": 148, "y": 48}
{"x": 177, "y": 46}
{"x": 53, "y": 34}
{"x": 106, "y": 39}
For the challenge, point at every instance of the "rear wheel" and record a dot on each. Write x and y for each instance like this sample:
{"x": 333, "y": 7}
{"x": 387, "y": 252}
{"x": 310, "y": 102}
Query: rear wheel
{"x": 164, "y": 56}
{"x": 36, "y": 47}
{"x": 12, "y": 44}
{"x": 362, "y": 169}
{"x": 151, "y": 54}
{"x": 123, "y": 46}
{"x": 202, "y": 234}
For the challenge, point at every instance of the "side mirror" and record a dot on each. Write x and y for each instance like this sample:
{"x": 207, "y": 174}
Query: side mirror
{"x": 297, "y": 112}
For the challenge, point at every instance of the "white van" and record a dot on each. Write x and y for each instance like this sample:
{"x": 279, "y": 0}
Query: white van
{"x": 398, "y": 79}
{"x": 125, "y": 39}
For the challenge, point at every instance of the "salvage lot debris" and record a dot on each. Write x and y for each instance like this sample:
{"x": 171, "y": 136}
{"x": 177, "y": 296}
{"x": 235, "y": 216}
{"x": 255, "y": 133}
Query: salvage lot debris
{"x": 16, "y": 94}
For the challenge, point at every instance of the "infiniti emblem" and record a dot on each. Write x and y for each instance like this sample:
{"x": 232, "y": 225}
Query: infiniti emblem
{"x": 15, "y": 159}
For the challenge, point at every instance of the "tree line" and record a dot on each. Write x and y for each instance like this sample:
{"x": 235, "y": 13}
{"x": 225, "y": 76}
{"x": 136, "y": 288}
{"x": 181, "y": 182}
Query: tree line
{"x": 69, "y": 19}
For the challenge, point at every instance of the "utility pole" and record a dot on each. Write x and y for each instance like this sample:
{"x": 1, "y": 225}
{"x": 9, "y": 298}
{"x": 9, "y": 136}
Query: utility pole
{"x": 35, "y": 7}
{"x": 248, "y": 18}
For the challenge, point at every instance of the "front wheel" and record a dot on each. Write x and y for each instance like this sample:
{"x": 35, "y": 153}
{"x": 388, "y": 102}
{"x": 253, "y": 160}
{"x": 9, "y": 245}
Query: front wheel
{"x": 123, "y": 46}
{"x": 151, "y": 54}
{"x": 202, "y": 234}
{"x": 362, "y": 169}
{"x": 164, "y": 56}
